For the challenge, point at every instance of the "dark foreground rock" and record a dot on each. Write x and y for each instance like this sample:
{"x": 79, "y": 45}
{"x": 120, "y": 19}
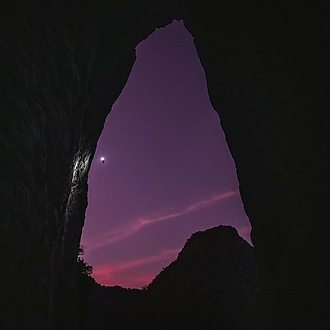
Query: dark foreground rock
{"x": 213, "y": 284}
{"x": 108, "y": 307}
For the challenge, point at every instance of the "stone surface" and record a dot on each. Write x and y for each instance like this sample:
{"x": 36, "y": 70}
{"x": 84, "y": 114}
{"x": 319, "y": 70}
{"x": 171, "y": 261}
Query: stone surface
{"x": 63, "y": 64}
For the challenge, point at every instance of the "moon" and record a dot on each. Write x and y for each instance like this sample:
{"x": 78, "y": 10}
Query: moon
{"x": 102, "y": 159}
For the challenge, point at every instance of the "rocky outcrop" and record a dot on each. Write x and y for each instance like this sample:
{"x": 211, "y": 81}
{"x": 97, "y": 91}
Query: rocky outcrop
{"x": 63, "y": 64}
{"x": 213, "y": 284}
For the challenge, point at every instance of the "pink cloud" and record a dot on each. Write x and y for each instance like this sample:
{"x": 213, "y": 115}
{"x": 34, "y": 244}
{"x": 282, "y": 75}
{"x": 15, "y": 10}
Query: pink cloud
{"x": 119, "y": 273}
{"x": 135, "y": 225}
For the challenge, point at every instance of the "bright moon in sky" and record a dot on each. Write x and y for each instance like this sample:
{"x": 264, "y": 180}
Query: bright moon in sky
{"x": 102, "y": 159}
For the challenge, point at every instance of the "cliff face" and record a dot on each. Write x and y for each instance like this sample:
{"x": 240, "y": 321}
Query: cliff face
{"x": 63, "y": 64}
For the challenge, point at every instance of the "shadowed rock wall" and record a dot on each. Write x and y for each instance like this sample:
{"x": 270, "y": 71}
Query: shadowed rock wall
{"x": 63, "y": 64}
{"x": 268, "y": 75}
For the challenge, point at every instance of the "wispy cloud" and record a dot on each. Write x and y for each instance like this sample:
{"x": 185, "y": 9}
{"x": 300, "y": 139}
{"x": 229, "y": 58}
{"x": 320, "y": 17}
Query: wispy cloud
{"x": 112, "y": 274}
{"x": 137, "y": 224}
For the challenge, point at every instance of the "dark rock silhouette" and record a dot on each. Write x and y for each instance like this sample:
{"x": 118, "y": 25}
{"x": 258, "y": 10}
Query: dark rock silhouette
{"x": 213, "y": 284}
{"x": 109, "y": 307}
{"x": 62, "y": 66}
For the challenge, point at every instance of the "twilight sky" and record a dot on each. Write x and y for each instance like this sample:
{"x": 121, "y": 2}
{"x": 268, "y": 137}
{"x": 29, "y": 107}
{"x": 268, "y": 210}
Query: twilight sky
{"x": 167, "y": 172}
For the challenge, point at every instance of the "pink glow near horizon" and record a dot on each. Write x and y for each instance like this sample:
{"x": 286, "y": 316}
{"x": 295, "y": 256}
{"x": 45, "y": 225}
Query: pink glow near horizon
{"x": 110, "y": 274}
{"x": 135, "y": 225}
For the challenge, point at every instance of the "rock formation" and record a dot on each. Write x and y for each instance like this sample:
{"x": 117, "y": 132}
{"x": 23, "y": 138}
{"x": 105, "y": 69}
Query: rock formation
{"x": 64, "y": 63}
{"x": 213, "y": 284}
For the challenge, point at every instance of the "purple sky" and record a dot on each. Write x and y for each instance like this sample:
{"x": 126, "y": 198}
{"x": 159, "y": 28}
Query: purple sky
{"x": 167, "y": 172}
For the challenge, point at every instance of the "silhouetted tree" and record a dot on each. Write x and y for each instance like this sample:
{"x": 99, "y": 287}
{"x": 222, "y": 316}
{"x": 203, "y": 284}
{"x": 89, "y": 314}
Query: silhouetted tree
{"x": 85, "y": 285}
{"x": 83, "y": 267}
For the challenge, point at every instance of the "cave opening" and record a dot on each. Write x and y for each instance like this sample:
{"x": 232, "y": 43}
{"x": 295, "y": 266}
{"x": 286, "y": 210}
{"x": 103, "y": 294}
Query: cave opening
{"x": 162, "y": 169}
